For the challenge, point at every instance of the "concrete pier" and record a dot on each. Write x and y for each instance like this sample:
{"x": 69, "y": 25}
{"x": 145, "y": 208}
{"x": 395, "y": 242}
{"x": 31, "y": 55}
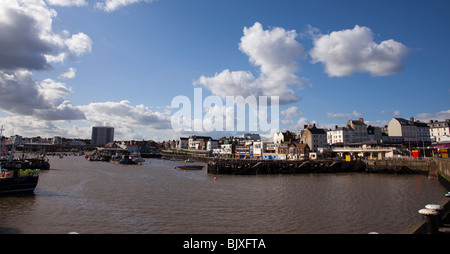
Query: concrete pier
{"x": 255, "y": 167}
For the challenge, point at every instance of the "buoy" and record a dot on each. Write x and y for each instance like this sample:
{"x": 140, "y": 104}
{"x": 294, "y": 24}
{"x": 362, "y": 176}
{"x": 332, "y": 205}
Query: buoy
{"x": 215, "y": 178}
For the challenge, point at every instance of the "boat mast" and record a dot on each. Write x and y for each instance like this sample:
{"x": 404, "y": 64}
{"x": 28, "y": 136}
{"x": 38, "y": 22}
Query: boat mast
{"x": 1, "y": 138}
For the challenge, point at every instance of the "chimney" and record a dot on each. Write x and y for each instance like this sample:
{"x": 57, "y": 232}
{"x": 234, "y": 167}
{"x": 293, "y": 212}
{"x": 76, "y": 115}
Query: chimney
{"x": 431, "y": 121}
{"x": 411, "y": 119}
{"x": 335, "y": 127}
{"x": 361, "y": 120}
{"x": 314, "y": 125}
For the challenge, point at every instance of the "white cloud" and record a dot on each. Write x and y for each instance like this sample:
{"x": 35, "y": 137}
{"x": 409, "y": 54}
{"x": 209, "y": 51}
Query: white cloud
{"x": 440, "y": 116}
{"x": 112, "y": 5}
{"x": 69, "y": 74}
{"x": 275, "y": 52}
{"x": 67, "y": 2}
{"x": 291, "y": 112}
{"x": 123, "y": 113}
{"x": 344, "y": 115}
{"x": 296, "y": 125}
{"x": 353, "y": 50}
{"x": 79, "y": 44}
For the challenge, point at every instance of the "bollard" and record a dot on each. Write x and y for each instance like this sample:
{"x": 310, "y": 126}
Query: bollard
{"x": 438, "y": 209}
{"x": 431, "y": 215}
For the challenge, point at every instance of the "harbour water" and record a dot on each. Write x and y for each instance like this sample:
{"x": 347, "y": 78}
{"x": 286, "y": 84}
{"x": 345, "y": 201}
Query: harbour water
{"x": 76, "y": 195}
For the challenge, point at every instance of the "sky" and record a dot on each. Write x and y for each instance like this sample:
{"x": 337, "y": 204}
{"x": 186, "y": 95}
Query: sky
{"x": 68, "y": 65}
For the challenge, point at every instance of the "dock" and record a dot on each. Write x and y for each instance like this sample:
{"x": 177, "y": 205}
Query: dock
{"x": 257, "y": 167}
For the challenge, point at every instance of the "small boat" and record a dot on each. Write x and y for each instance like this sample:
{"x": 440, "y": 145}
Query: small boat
{"x": 191, "y": 167}
{"x": 189, "y": 160}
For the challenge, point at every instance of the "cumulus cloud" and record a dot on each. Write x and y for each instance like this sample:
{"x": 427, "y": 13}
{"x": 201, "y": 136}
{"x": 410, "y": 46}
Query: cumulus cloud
{"x": 440, "y": 116}
{"x": 69, "y": 74}
{"x": 344, "y": 115}
{"x": 27, "y": 40}
{"x": 123, "y": 113}
{"x": 27, "y": 44}
{"x": 291, "y": 112}
{"x": 112, "y": 5}
{"x": 22, "y": 41}
{"x": 79, "y": 44}
{"x": 67, "y": 2}
{"x": 275, "y": 52}
{"x": 45, "y": 100}
{"x": 353, "y": 50}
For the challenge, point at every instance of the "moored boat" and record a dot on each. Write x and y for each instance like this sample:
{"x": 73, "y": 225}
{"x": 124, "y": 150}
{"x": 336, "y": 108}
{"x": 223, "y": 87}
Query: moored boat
{"x": 191, "y": 167}
{"x": 17, "y": 175}
{"x": 13, "y": 180}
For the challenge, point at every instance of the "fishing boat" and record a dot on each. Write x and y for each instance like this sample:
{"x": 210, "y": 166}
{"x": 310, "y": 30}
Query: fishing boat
{"x": 17, "y": 175}
{"x": 14, "y": 177}
{"x": 191, "y": 167}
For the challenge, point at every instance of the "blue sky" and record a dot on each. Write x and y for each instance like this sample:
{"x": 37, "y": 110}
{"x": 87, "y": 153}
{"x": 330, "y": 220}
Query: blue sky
{"x": 85, "y": 63}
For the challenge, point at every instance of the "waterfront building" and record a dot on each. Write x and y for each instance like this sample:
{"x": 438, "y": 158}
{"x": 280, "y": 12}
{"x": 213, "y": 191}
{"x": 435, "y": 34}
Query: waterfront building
{"x": 258, "y": 149}
{"x": 280, "y": 137}
{"x": 102, "y": 135}
{"x": 402, "y": 129}
{"x": 270, "y": 150}
{"x": 359, "y": 130}
{"x": 212, "y": 144}
{"x": 356, "y": 131}
{"x": 439, "y": 130}
{"x": 57, "y": 140}
{"x": 252, "y": 136}
{"x": 374, "y": 133}
{"x": 423, "y": 133}
{"x": 198, "y": 142}
{"x": 293, "y": 151}
{"x": 340, "y": 135}
{"x": 409, "y": 131}
{"x": 183, "y": 143}
{"x": 314, "y": 137}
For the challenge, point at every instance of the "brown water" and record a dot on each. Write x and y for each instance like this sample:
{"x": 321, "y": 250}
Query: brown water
{"x": 100, "y": 197}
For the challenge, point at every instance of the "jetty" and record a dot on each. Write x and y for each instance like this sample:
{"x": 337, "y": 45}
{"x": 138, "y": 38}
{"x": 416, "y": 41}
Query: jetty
{"x": 256, "y": 167}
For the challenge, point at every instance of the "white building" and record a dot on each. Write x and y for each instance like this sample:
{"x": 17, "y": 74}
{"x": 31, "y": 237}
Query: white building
{"x": 355, "y": 131}
{"x": 212, "y": 144}
{"x": 439, "y": 129}
{"x": 339, "y": 135}
{"x": 258, "y": 147}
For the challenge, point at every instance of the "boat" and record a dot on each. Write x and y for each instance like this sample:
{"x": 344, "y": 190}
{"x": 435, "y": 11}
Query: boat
{"x": 191, "y": 167}
{"x": 189, "y": 160}
{"x": 133, "y": 159}
{"x": 17, "y": 175}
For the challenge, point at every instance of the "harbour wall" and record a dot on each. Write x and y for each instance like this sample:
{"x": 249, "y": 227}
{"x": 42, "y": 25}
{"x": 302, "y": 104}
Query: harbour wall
{"x": 435, "y": 167}
{"x": 256, "y": 167}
